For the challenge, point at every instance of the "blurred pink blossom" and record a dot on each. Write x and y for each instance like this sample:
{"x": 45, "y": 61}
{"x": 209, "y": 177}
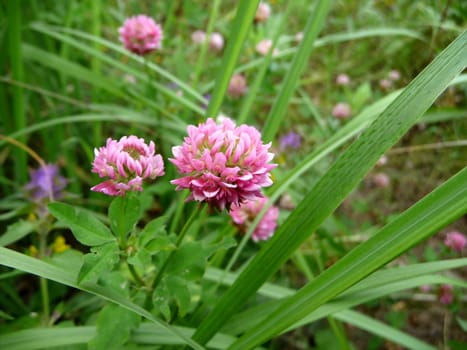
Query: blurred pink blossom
{"x": 299, "y": 37}
{"x": 244, "y": 214}
{"x": 264, "y": 46}
{"x": 141, "y": 34}
{"x": 381, "y": 180}
{"x": 385, "y": 84}
{"x": 445, "y": 294}
{"x": 382, "y": 161}
{"x": 198, "y": 37}
{"x": 342, "y": 110}
{"x": 223, "y": 164}
{"x": 237, "y": 86}
{"x": 216, "y": 41}
{"x": 456, "y": 241}
{"x": 127, "y": 163}
{"x": 342, "y": 79}
{"x": 263, "y": 12}
{"x": 394, "y": 75}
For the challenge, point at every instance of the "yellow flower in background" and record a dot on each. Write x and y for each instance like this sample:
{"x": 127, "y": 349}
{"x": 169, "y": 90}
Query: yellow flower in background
{"x": 32, "y": 251}
{"x": 59, "y": 245}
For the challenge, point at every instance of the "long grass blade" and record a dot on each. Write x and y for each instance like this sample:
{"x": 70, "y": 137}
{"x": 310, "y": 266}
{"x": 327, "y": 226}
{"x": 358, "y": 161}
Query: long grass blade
{"x": 312, "y": 29}
{"x": 245, "y": 13}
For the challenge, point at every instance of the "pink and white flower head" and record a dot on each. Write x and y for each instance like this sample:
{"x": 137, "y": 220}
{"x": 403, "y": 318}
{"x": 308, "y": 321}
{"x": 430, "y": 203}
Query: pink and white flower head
{"x": 343, "y": 79}
{"x": 445, "y": 294}
{"x": 394, "y": 75}
{"x": 299, "y": 37}
{"x": 224, "y": 164}
{"x": 141, "y": 34}
{"x": 385, "y": 84}
{"x": 381, "y": 180}
{"x": 262, "y": 12}
{"x": 216, "y": 41}
{"x": 456, "y": 241}
{"x": 127, "y": 163}
{"x": 244, "y": 214}
{"x": 264, "y": 46}
{"x": 237, "y": 86}
{"x": 198, "y": 37}
{"x": 342, "y": 110}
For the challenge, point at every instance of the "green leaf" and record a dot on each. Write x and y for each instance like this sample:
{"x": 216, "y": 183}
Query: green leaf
{"x": 172, "y": 290}
{"x": 5, "y": 316}
{"x": 361, "y": 96}
{"x": 154, "y": 228}
{"x": 114, "y": 325}
{"x": 124, "y": 213}
{"x": 349, "y": 169}
{"x": 16, "y": 231}
{"x": 163, "y": 243}
{"x": 376, "y": 327}
{"x": 86, "y": 227}
{"x": 101, "y": 259}
{"x": 462, "y": 323}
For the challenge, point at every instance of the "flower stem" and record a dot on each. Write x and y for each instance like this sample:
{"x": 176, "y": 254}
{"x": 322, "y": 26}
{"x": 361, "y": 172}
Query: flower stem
{"x": 44, "y": 288}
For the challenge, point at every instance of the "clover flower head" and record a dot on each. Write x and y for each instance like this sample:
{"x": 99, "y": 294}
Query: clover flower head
{"x": 299, "y": 37}
{"x": 385, "y": 84}
{"x": 445, "y": 294}
{"x": 394, "y": 75}
{"x": 243, "y": 215}
{"x": 237, "y": 86}
{"x": 381, "y": 180}
{"x": 198, "y": 37}
{"x": 342, "y": 110}
{"x": 264, "y": 46}
{"x": 46, "y": 183}
{"x": 342, "y": 79}
{"x": 216, "y": 41}
{"x": 141, "y": 34}
{"x": 262, "y": 12}
{"x": 127, "y": 163}
{"x": 290, "y": 140}
{"x": 223, "y": 164}
{"x": 456, "y": 241}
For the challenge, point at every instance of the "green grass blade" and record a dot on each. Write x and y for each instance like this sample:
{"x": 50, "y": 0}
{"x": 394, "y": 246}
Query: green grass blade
{"x": 436, "y": 210}
{"x": 245, "y": 13}
{"x": 146, "y": 334}
{"x": 339, "y": 181}
{"x": 379, "y": 328}
{"x": 68, "y": 277}
{"x": 15, "y": 54}
{"x": 278, "y": 109}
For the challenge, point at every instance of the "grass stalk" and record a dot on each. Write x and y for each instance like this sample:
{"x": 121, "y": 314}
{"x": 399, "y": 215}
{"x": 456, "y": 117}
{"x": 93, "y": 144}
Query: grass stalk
{"x": 17, "y": 73}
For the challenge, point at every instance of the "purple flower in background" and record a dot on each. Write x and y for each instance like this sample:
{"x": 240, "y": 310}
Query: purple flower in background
{"x": 141, "y": 34}
{"x": 216, "y": 41}
{"x": 456, "y": 241}
{"x": 244, "y": 214}
{"x": 262, "y": 12}
{"x": 46, "y": 183}
{"x": 198, "y": 37}
{"x": 127, "y": 163}
{"x": 290, "y": 140}
{"x": 394, "y": 75}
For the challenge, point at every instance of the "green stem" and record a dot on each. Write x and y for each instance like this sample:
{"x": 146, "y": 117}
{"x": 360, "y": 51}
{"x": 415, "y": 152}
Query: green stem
{"x": 135, "y": 275}
{"x": 44, "y": 288}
